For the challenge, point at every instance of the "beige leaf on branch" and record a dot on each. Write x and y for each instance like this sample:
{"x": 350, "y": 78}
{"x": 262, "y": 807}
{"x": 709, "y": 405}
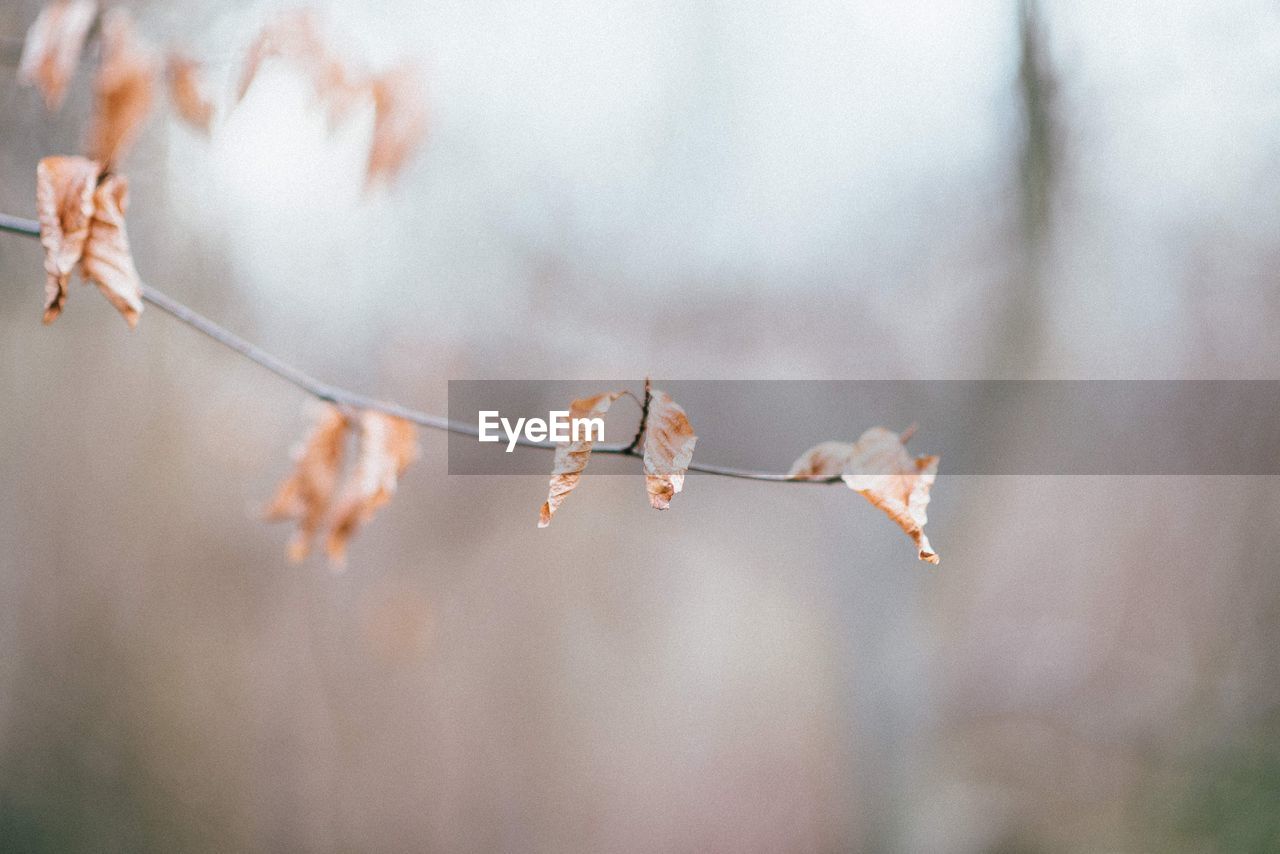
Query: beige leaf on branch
{"x": 305, "y": 496}
{"x": 53, "y": 45}
{"x": 107, "y": 261}
{"x": 399, "y": 122}
{"x": 387, "y": 446}
{"x": 187, "y": 91}
{"x": 64, "y": 200}
{"x": 822, "y": 462}
{"x": 878, "y": 467}
{"x": 572, "y": 456}
{"x": 668, "y": 448}
{"x": 124, "y": 89}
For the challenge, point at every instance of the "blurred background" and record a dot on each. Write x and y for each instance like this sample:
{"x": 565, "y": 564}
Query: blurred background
{"x": 691, "y": 190}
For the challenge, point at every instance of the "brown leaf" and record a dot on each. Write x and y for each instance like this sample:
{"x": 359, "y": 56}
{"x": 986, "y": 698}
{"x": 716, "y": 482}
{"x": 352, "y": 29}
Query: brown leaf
{"x": 52, "y": 49}
{"x": 306, "y": 494}
{"x": 107, "y": 261}
{"x": 295, "y": 37}
{"x": 64, "y": 199}
{"x": 399, "y": 122}
{"x": 668, "y": 448}
{"x": 878, "y": 467}
{"x": 187, "y": 91}
{"x": 572, "y": 456}
{"x": 125, "y": 89}
{"x": 387, "y": 446}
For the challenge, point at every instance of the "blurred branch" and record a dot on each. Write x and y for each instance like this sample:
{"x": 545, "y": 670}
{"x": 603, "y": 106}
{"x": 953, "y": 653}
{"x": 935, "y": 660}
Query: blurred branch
{"x": 343, "y": 397}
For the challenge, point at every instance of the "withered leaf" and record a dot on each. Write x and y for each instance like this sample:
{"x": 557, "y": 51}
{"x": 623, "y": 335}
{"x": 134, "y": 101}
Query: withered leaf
{"x": 53, "y": 45}
{"x": 187, "y": 91}
{"x": 387, "y": 447}
{"x": 668, "y": 448}
{"x": 572, "y": 456}
{"x": 878, "y": 467}
{"x": 124, "y": 89}
{"x": 294, "y": 36}
{"x": 305, "y": 496}
{"x": 399, "y": 121}
{"x": 64, "y": 199}
{"x": 107, "y": 261}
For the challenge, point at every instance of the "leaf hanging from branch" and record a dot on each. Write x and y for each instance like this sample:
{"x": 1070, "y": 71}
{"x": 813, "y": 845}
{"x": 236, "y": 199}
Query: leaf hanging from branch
{"x": 667, "y": 444}
{"x": 399, "y": 122}
{"x": 388, "y": 445}
{"x": 107, "y": 261}
{"x": 52, "y": 48}
{"x": 64, "y": 199}
{"x": 305, "y": 496}
{"x": 124, "y": 89}
{"x": 572, "y": 456}
{"x": 187, "y": 91}
{"x": 878, "y": 467}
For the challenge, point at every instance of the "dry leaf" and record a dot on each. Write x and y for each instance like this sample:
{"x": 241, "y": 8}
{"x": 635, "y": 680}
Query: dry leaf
{"x": 387, "y": 446}
{"x": 668, "y": 448}
{"x": 306, "y": 494}
{"x": 64, "y": 198}
{"x": 295, "y": 37}
{"x": 124, "y": 87}
{"x": 571, "y": 457}
{"x": 52, "y": 49}
{"x": 187, "y": 91}
{"x": 879, "y": 468}
{"x": 399, "y": 122}
{"x": 107, "y": 261}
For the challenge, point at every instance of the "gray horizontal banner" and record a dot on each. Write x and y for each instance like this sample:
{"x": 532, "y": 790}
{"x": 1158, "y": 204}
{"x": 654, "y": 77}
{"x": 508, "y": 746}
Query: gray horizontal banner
{"x": 999, "y": 427}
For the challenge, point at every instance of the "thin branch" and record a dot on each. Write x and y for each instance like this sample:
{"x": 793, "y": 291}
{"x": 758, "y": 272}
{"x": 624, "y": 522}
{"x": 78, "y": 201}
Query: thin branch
{"x": 341, "y": 396}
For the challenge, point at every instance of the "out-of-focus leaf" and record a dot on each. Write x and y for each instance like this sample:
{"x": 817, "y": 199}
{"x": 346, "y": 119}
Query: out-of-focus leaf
{"x": 187, "y": 91}
{"x": 572, "y": 456}
{"x": 295, "y": 37}
{"x": 387, "y": 447}
{"x": 668, "y": 448}
{"x": 64, "y": 200}
{"x": 399, "y": 121}
{"x": 306, "y": 495}
{"x": 878, "y": 467}
{"x": 124, "y": 90}
{"x": 53, "y": 45}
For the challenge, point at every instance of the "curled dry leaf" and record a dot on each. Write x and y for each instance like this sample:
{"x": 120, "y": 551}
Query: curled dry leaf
{"x": 53, "y": 45}
{"x": 399, "y": 121}
{"x": 64, "y": 199}
{"x": 668, "y": 448}
{"x": 572, "y": 456}
{"x": 387, "y": 446}
{"x": 124, "y": 89}
{"x": 187, "y": 91}
{"x": 305, "y": 496}
{"x": 879, "y": 468}
{"x": 107, "y": 261}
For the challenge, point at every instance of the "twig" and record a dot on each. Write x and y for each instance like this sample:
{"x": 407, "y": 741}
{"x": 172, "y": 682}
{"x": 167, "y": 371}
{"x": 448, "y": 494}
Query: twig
{"x": 341, "y": 396}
